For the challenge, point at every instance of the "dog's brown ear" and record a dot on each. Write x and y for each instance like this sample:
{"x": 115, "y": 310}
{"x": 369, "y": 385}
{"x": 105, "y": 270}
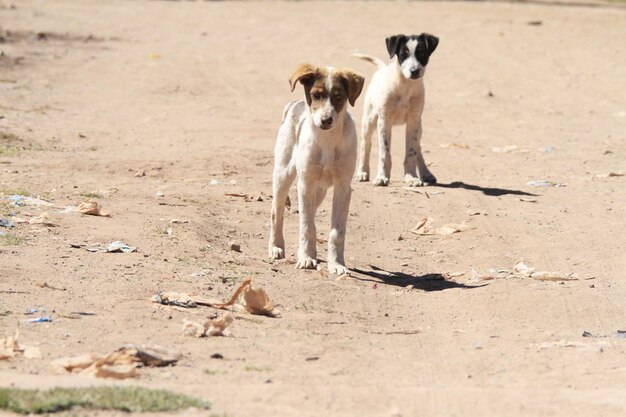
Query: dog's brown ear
{"x": 303, "y": 73}
{"x": 354, "y": 84}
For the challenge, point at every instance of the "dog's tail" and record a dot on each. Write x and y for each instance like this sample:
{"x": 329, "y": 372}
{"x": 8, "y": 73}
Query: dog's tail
{"x": 372, "y": 59}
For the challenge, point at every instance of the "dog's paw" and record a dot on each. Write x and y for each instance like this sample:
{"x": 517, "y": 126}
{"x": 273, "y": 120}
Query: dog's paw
{"x": 382, "y": 181}
{"x": 306, "y": 263}
{"x": 276, "y": 253}
{"x": 335, "y": 268}
{"x": 362, "y": 176}
{"x": 412, "y": 181}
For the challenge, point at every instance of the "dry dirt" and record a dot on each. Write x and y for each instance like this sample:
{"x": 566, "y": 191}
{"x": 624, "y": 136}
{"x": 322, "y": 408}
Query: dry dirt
{"x": 192, "y": 94}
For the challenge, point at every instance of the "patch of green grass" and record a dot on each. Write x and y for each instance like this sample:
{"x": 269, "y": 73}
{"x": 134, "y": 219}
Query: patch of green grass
{"x": 130, "y": 399}
{"x": 11, "y": 240}
{"x": 10, "y": 150}
{"x": 90, "y": 195}
{"x": 14, "y": 191}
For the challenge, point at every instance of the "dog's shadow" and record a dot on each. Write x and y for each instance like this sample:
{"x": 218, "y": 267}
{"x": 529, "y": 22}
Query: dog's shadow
{"x": 493, "y": 192}
{"x": 426, "y": 282}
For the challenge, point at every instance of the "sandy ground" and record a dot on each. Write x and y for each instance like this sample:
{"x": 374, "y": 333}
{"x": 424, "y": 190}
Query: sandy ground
{"x": 192, "y": 94}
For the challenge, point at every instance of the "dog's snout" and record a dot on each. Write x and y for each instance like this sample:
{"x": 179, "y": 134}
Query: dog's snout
{"x": 415, "y": 73}
{"x": 326, "y": 122}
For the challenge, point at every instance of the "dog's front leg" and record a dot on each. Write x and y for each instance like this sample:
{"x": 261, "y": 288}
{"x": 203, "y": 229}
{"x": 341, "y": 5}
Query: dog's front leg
{"x": 412, "y": 145}
{"x": 413, "y": 157}
{"x": 337, "y": 236}
{"x": 384, "y": 153}
{"x": 307, "y": 205}
{"x": 282, "y": 179}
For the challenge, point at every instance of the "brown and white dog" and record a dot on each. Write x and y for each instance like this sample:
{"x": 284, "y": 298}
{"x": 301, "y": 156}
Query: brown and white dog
{"x": 316, "y": 143}
{"x": 395, "y": 96}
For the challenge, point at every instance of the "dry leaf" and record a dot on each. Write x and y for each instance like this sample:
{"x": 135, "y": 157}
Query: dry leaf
{"x": 219, "y": 326}
{"x": 92, "y": 208}
{"x": 422, "y": 226}
{"x": 216, "y": 327}
{"x": 120, "y": 364}
{"x": 257, "y": 302}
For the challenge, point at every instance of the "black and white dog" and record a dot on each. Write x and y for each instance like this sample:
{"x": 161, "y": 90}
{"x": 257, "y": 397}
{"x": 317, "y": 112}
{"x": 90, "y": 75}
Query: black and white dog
{"x": 395, "y": 96}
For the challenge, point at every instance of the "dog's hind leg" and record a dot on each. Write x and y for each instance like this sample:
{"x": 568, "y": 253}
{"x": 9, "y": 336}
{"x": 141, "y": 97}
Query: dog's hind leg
{"x": 368, "y": 125}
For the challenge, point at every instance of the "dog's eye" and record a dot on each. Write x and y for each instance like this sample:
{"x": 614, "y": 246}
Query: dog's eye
{"x": 317, "y": 96}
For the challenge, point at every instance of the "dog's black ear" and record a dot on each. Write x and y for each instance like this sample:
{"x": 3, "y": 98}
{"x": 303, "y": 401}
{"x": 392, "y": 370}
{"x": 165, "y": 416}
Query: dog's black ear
{"x": 354, "y": 84}
{"x": 430, "y": 42}
{"x": 303, "y": 73}
{"x": 394, "y": 43}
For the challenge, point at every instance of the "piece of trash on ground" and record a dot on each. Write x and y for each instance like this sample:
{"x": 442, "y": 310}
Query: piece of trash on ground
{"x": 175, "y": 299}
{"x": 609, "y": 175}
{"x": 528, "y": 199}
{"x": 6, "y": 223}
{"x": 42, "y": 220}
{"x": 45, "y": 319}
{"x": 545, "y": 183}
{"x": 22, "y": 201}
{"x": 508, "y": 149}
{"x": 522, "y": 270}
{"x": 212, "y": 327}
{"x": 120, "y": 364}
{"x": 547, "y": 149}
{"x": 10, "y": 348}
{"x": 119, "y": 246}
{"x": 92, "y": 208}
{"x": 596, "y": 347}
{"x": 423, "y": 227}
{"x": 253, "y": 300}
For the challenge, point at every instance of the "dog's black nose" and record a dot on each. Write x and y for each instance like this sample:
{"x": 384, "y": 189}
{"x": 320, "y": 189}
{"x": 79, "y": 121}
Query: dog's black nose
{"x": 326, "y": 122}
{"x": 415, "y": 73}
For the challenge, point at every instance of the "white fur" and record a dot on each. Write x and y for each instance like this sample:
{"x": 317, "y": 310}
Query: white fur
{"x": 393, "y": 98}
{"x": 318, "y": 159}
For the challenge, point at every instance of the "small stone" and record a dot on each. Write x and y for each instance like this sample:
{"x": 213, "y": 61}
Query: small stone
{"x": 235, "y": 247}
{"x": 159, "y": 194}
